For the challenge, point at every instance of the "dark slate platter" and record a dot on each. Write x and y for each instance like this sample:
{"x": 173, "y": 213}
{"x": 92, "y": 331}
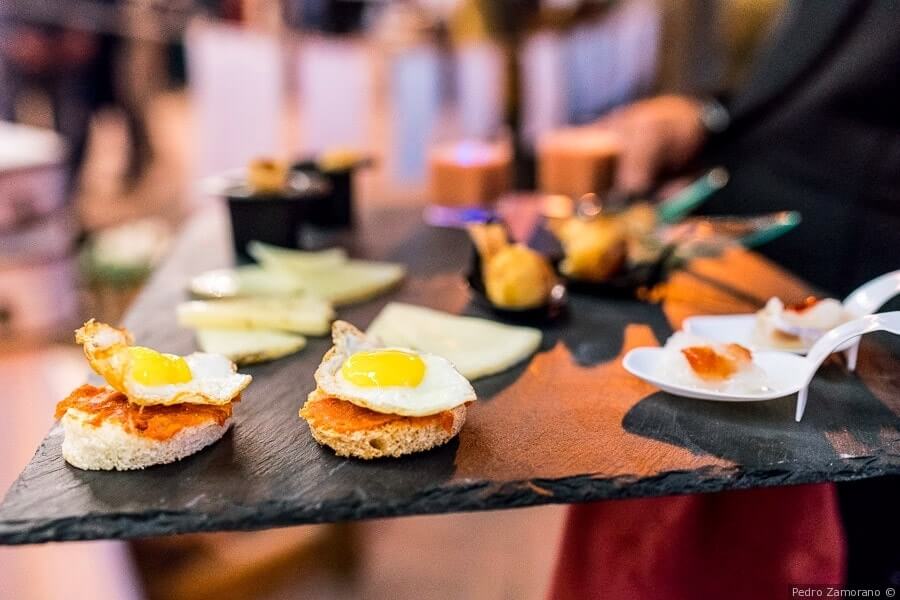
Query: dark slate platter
{"x": 569, "y": 426}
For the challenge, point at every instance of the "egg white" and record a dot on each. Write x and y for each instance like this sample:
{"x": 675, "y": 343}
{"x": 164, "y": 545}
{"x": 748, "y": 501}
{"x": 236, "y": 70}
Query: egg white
{"x": 213, "y": 381}
{"x": 442, "y": 387}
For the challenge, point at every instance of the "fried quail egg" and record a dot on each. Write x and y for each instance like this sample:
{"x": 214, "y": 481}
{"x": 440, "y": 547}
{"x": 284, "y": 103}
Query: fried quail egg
{"x": 395, "y": 381}
{"x": 148, "y": 377}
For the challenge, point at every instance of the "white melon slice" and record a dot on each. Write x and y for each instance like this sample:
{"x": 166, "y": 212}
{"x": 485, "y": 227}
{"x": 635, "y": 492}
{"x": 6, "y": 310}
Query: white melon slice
{"x": 330, "y": 274}
{"x": 248, "y": 280}
{"x": 354, "y": 281}
{"x": 289, "y": 258}
{"x": 246, "y": 347}
{"x": 304, "y": 314}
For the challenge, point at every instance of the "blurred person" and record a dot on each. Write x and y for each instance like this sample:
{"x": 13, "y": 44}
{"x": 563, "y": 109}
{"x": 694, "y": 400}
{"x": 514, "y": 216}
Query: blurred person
{"x": 56, "y": 62}
{"x": 815, "y": 127}
{"x": 76, "y": 69}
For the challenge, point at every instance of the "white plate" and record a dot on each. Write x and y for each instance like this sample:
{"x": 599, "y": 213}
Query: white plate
{"x": 785, "y": 374}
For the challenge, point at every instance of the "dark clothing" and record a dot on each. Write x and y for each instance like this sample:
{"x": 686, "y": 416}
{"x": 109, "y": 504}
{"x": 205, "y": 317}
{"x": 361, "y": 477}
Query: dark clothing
{"x": 816, "y": 128}
{"x": 75, "y": 91}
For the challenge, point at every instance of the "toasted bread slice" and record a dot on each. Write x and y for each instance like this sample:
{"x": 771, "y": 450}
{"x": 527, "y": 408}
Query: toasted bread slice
{"x": 104, "y": 431}
{"x": 354, "y": 431}
{"x": 110, "y": 447}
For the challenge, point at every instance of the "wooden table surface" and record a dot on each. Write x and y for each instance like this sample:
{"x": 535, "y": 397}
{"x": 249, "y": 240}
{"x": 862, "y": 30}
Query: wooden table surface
{"x": 569, "y": 425}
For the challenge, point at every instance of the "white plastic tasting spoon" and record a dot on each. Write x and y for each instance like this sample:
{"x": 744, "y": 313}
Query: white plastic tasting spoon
{"x": 865, "y": 300}
{"x": 838, "y": 336}
{"x": 787, "y": 373}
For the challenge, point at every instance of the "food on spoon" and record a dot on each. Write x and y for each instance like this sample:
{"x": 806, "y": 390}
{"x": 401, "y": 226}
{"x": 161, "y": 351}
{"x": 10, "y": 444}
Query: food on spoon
{"x": 251, "y": 346}
{"x": 595, "y": 248}
{"x": 814, "y": 315}
{"x": 155, "y": 408}
{"x": 267, "y": 175}
{"x": 329, "y": 274}
{"x": 697, "y": 362}
{"x": 306, "y": 314}
{"x": 372, "y": 401}
{"x": 515, "y": 276}
{"x": 476, "y": 347}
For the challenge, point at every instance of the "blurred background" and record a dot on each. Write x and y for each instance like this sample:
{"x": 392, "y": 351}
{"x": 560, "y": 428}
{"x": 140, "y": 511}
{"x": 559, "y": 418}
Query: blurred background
{"x": 113, "y": 114}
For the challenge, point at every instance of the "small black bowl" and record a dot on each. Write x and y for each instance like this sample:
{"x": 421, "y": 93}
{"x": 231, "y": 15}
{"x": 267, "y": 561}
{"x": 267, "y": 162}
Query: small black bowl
{"x": 337, "y": 211}
{"x": 624, "y": 284}
{"x": 277, "y": 217}
{"x": 555, "y": 309}
{"x": 628, "y": 282}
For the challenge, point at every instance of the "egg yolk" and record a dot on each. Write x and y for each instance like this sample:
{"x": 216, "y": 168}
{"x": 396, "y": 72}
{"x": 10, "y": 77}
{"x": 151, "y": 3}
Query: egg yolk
{"x": 150, "y": 367}
{"x": 384, "y": 368}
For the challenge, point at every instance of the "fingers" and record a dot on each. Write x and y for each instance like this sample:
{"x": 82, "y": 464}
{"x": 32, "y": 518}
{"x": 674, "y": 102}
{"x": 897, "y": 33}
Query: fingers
{"x": 641, "y": 159}
{"x": 641, "y": 148}
{"x": 654, "y": 135}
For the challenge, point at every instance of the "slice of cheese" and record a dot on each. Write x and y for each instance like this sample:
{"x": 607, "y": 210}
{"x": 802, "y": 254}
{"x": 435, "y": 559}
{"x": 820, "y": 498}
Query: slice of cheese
{"x": 267, "y": 254}
{"x": 248, "y": 280}
{"x": 329, "y": 274}
{"x": 304, "y": 314}
{"x": 476, "y": 347}
{"x": 354, "y": 281}
{"x": 246, "y": 347}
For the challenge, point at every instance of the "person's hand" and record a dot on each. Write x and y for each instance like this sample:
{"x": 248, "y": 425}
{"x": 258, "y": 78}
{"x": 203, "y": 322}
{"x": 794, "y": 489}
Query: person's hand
{"x": 657, "y": 136}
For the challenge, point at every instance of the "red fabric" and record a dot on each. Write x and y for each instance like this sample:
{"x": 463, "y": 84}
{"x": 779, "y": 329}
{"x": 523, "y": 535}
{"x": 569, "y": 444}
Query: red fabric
{"x": 744, "y": 544}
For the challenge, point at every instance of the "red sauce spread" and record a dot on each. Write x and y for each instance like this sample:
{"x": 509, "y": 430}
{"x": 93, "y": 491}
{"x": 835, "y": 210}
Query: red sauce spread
{"x": 155, "y": 422}
{"x": 346, "y": 417}
{"x": 804, "y": 306}
{"x": 715, "y": 366}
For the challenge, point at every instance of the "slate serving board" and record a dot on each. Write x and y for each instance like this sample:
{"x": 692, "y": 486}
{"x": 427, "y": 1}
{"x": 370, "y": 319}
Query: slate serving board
{"x": 568, "y": 426}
